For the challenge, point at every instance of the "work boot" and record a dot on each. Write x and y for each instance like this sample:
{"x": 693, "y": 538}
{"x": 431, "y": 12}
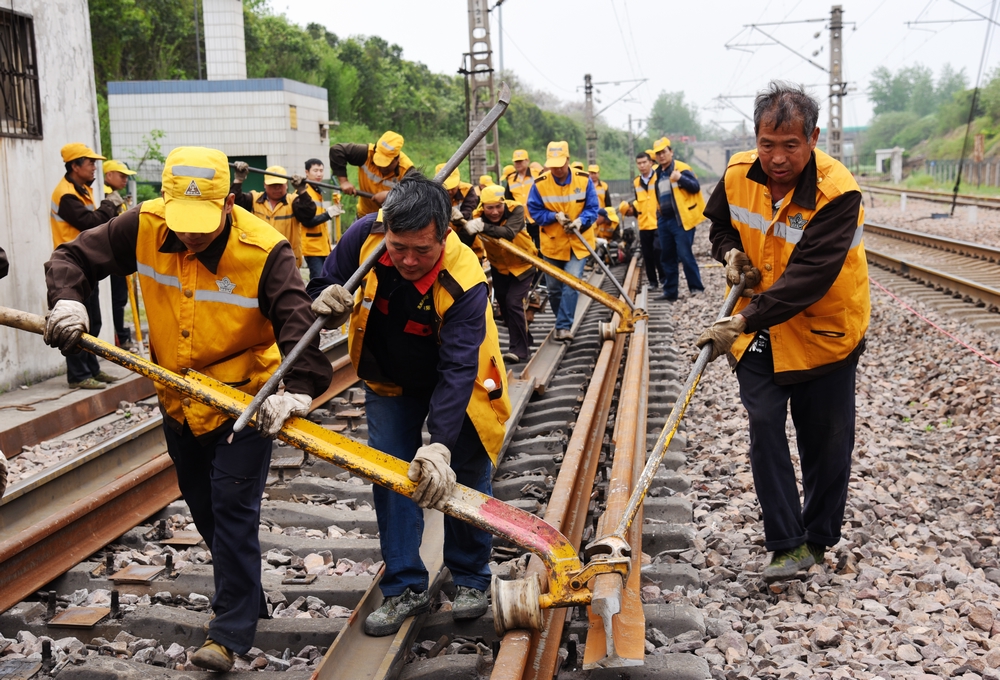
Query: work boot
{"x": 388, "y": 618}
{"x": 563, "y": 335}
{"x": 817, "y": 551}
{"x": 213, "y": 657}
{"x": 105, "y": 377}
{"x": 787, "y": 563}
{"x": 511, "y": 358}
{"x": 88, "y": 384}
{"x": 469, "y": 604}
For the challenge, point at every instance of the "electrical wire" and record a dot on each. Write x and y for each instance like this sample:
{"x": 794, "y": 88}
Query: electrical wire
{"x": 532, "y": 65}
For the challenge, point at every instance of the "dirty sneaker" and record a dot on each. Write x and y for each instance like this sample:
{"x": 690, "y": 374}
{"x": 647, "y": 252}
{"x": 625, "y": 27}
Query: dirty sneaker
{"x": 387, "y": 619}
{"x": 469, "y": 604}
{"x": 105, "y": 377}
{"x": 787, "y": 563}
{"x": 88, "y": 384}
{"x": 213, "y": 657}
{"x": 817, "y": 551}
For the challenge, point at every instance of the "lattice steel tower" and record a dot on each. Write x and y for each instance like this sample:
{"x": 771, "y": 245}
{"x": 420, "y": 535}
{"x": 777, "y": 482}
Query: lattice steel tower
{"x": 485, "y": 157}
{"x": 838, "y": 88}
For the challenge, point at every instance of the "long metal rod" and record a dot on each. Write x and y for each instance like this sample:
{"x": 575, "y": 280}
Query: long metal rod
{"x": 354, "y": 282}
{"x": 133, "y": 294}
{"x": 324, "y": 185}
{"x": 602, "y": 265}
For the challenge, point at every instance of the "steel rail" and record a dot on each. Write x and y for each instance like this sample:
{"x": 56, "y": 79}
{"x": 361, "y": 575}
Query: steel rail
{"x": 976, "y": 250}
{"x": 949, "y": 283}
{"x": 992, "y": 202}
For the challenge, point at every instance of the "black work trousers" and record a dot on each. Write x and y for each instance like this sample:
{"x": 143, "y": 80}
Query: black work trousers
{"x": 510, "y": 292}
{"x": 222, "y": 481}
{"x": 83, "y": 365}
{"x": 648, "y": 241}
{"x": 119, "y": 300}
{"x": 823, "y": 414}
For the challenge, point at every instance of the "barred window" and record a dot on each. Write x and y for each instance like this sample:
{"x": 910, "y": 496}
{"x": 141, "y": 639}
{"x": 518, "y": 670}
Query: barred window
{"x": 20, "y": 104}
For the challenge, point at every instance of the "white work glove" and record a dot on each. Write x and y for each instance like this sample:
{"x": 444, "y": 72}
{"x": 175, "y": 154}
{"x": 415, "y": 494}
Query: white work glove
{"x": 241, "y": 170}
{"x": 474, "y": 226}
{"x": 336, "y": 302}
{"x": 457, "y": 217}
{"x": 602, "y": 242}
{"x": 431, "y": 470}
{"x": 562, "y": 219}
{"x": 299, "y": 182}
{"x": 278, "y": 408}
{"x": 574, "y": 224}
{"x": 335, "y": 210}
{"x": 115, "y": 199}
{"x": 64, "y": 325}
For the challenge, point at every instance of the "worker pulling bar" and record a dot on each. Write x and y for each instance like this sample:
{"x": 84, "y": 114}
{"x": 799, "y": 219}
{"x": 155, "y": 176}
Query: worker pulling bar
{"x": 322, "y": 185}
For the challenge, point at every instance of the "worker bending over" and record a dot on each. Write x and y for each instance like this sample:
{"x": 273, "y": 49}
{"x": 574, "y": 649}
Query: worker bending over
{"x": 424, "y": 341}
{"x": 380, "y": 167}
{"x": 74, "y": 211}
{"x": 271, "y": 205}
{"x": 561, "y": 200}
{"x": 789, "y": 218}
{"x": 310, "y": 213}
{"x": 502, "y": 218}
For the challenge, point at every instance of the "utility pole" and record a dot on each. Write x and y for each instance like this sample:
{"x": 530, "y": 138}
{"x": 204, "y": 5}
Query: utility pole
{"x": 631, "y": 146}
{"x": 838, "y": 88}
{"x": 479, "y": 76}
{"x": 591, "y": 129}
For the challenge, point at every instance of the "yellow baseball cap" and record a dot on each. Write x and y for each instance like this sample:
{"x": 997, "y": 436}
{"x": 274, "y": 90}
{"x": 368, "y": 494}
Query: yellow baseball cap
{"x": 507, "y": 169}
{"x": 610, "y": 213}
{"x": 623, "y": 207}
{"x": 650, "y": 153}
{"x": 661, "y": 144}
{"x": 195, "y": 188}
{"x": 556, "y": 154}
{"x": 576, "y": 165}
{"x": 594, "y": 168}
{"x": 519, "y": 155}
{"x": 387, "y": 148}
{"x": 491, "y": 194}
{"x": 274, "y": 179}
{"x": 75, "y": 150}
{"x": 485, "y": 180}
{"x": 452, "y": 180}
{"x": 117, "y": 166}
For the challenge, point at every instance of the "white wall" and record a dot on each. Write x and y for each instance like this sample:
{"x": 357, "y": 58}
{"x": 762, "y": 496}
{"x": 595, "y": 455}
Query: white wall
{"x": 30, "y": 170}
{"x": 225, "y": 46}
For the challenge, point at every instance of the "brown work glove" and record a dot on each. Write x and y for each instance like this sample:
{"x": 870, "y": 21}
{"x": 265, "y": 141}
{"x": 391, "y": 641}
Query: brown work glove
{"x": 299, "y": 182}
{"x": 737, "y": 263}
{"x": 457, "y": 218}
{"x": 240, "y": 172}
{"x": 722, "y": 334}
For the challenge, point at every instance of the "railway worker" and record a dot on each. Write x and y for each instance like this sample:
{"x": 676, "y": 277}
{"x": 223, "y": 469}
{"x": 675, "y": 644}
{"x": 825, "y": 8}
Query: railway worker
{"x": 560, "y": 200}
{"x": 576, "y": 165}
{"x": 380, "y": 167}
{"x": 425, "y": 344}
{"x": 600, "y": 186}
{"x": 790, "y": 218}
{"x": 643, "y": 208}
{"x": 681, "y": 208}
{"x": 536, "y": 168}
{"x": 271, "y": 205}
{"x": 116, "y": 176}
{"x": 519, "y": 182}
{"x": 606, "y": 232}
{"x": 463, "y": 203}
{"x": 503, "y": 218}
{"x": 73, "y": 211}
{"x": 485, "y": 181}
{"x": 307, "y": 207}
{"x": 507, "y": 169}
{"x": 223, "y": 296}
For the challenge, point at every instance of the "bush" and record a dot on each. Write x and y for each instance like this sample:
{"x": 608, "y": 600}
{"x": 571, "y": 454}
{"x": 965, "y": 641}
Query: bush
{"x": 884, "y": 129}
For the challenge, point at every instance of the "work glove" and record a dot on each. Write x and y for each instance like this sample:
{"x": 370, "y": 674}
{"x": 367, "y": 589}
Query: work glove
{"x": 562, "y": 219}
{"x": 457, "y": 218}
{"x": 722, "y": 334}
{"x": 277, "y": 409}
{"x": 337, "y": 303}
{"x": 335, "y": 210}
{"x": 64, "y": 325}
{"x": 474, "y": 226}
{"x": 738, "y": 263}
{"x": 602, "y": 242}
{"x": 431, "y": 470}
{"x": 115, "y": 199}
{"x": 299, "y": 182}
{"x": 241, "y": 170}
{"x": 569, "y": 226}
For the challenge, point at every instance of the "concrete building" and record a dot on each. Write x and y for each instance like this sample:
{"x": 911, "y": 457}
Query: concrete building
{"x": 50, "y": 40}
{"x": 264, "y": 121}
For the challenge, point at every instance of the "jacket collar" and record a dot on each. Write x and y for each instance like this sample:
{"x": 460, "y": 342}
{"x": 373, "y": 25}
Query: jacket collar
{"x": 424, "y": 283}
{"x": 80, "y": 189}
{"x": 209, "y": 257}
{"x": 805, "y": 189}
{"x": 263, "y": 197}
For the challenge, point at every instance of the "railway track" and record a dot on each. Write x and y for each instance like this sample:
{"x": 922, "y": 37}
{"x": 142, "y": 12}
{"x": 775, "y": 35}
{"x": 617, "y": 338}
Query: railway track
{"x": 557, "y": 422}
{"x": 992, "y": 202}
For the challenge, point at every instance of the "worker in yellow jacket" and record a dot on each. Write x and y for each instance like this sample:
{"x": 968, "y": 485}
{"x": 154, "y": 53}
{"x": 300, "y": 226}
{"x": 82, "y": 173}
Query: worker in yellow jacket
{"x": 273, "y": 205}
{"x": 643, "y": 207}
{"x": 789, "y": 218}
{"x": 680, "y": 208}
{"x": 380, "y": 167}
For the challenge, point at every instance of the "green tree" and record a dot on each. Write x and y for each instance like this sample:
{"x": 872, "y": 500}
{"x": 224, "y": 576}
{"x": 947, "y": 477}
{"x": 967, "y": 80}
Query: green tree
{"x": 671, "y": 115}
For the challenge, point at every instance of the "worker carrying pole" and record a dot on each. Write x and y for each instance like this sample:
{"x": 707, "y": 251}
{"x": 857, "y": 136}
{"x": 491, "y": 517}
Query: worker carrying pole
{"x": 380, "y": 167}
{"x": 224, "y": 298}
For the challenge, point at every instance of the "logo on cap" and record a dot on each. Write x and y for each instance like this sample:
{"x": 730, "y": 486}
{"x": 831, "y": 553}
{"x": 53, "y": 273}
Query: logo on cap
{"x": 192, "y": 189}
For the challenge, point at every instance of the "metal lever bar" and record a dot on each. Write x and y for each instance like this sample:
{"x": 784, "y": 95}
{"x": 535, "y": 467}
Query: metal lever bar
{"x": 354, "y": 282}
{"x": 604, "y": 267}
{"x": 315, "y": 184}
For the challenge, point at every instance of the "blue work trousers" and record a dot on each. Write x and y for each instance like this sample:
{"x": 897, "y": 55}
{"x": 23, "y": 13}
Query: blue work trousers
{"x": 562, "y": 299}
{"x": 394, "y": 425}
{"x": 222, "y": 481}
{"x": 315, "y": 264}
{"x": 675, "y": 246}
{"x": 83, "y": 365}
{"x": 823, "y": 414}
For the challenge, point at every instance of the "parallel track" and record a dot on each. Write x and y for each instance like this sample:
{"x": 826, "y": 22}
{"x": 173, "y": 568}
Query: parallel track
{"x": 992, "y": 202}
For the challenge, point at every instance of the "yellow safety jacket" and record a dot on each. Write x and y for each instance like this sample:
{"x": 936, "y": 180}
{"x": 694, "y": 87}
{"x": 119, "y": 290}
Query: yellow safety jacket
{"x": 371, "y": 180}
{"x": 520, "y": 187}
{"x": 569, "y": 199}
{"x": 503, "y": 261}
{"x": 63, "y": 231}
{"x": 316, "y": 240}
{"x": 690, "y": 207}
{"x": 602, "y": 192}
{"x": 645, "y": 203}
{"x": 210, "y": 323}
{"x": 606, "y": 231}
{"x": 830, "y": 329}
{"x": 460, "y": 271}
{"x": 281, "y": 218}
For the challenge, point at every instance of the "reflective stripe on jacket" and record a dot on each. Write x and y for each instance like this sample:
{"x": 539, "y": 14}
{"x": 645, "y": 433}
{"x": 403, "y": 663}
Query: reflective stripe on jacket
{"x": 62, "y": 231}
{"x": 370, "y": 179}
{"x": 830, "y": 329}
{"x": 568, "y": 199}
{"x": 210, "y": 323}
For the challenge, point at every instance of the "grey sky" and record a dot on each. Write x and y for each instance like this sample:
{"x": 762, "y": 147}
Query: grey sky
{"x": 676, "y": 45}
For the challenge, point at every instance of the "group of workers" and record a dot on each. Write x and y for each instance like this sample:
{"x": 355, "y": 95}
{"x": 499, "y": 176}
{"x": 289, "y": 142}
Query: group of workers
{"x": 219, "y": 273}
